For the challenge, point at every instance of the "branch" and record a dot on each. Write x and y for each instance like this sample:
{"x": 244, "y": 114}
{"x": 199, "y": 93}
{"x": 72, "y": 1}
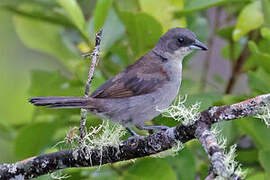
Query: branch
{"x": 237, "y": 69}
{"x": 94, "y": 56}
{"x": 215, "y": 153}
{"x": 140, "y": 147}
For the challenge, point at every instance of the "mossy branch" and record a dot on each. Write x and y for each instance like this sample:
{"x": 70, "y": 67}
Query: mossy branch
{"x": 141, "y": 147}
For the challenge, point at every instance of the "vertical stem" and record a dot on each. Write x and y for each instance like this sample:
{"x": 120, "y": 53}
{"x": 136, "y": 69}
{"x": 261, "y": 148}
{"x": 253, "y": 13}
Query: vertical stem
{"x": 94, "y": 61}
{"x": 237, "y": 69}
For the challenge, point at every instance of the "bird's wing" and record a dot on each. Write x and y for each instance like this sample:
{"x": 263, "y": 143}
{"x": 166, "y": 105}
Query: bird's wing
{"x": 143, "y": 77}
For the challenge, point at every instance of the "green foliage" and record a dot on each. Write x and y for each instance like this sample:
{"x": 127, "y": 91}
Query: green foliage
{"x": 259, "y": 135}
{"x": 101, "y": 12}
{"x": 265, "y": 33}
{"x": 27, "y": 144}
{"x": 41, "y": 42}
{"x": 75, "y": 14}
{"x": 112, "y": 25}
{"x": 149, "y": 169}
{"x": 163, "y": 12}
{"x": 266, "y": 11}
{"x": 184, "y": 164}
{"x": 43, "y": 81}
{"x": 44, "y": 37}
{"x": 226, "y": 32}
{"x": 264, "y": 157}
{"x": 139, "y": 26}
{"x": 192, "y": 6}
{"x": 251, "y": 17}
{"x": 197, "y": 5}
{"x": 257, "y": 83}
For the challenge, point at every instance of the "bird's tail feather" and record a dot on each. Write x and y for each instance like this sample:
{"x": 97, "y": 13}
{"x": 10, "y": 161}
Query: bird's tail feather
{"x": 59, "y": 102}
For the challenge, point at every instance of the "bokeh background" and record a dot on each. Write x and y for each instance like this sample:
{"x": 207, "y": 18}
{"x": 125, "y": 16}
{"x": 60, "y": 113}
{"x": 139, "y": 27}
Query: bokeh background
{"x": 41, "y": 42}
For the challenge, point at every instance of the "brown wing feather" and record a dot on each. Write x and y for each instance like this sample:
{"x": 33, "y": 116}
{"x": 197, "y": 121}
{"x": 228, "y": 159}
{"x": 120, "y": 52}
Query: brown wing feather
{"x": 143, "y": 77}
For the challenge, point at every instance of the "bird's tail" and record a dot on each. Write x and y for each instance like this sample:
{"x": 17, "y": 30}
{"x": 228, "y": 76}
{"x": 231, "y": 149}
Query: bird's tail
{"x": 60, "y": 102}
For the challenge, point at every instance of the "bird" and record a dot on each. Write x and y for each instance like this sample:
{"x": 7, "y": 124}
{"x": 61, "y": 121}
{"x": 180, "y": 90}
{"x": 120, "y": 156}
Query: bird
{"x": 134, "y": 96}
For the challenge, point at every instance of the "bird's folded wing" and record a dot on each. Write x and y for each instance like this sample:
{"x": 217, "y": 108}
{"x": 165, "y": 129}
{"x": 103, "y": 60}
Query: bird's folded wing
{"x": 139, "y": 78}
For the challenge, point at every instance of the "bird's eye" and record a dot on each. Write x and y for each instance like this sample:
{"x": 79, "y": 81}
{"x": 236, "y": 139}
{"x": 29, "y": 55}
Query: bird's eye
{"x": 181, "y": 40}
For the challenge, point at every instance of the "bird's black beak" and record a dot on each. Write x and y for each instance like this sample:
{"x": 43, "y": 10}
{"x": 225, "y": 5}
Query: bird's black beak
{"x": 198, "y": 45}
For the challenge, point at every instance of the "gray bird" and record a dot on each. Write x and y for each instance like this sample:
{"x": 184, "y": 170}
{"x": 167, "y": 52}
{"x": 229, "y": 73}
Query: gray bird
{"x": 133, "y": 96}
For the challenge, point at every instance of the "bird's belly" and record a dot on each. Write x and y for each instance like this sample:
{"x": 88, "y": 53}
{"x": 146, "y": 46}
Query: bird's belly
{"x": 149, "y": 105}
{"x": 138, "y": 109}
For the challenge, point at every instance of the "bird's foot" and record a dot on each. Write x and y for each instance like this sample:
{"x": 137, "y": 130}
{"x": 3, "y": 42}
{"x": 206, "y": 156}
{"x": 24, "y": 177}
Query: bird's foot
{"x": 133, "y": 134}
{"x": 148, "y": 128}
{"x": 151, "y": 129}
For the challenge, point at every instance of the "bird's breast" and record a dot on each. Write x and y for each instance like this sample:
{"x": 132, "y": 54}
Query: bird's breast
{"x": 170, "y": 89}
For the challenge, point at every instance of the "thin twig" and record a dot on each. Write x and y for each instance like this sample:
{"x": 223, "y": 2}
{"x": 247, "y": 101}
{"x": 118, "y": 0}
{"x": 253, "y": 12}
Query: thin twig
{"x": 94, "y": 62}
{"x": 238, "y": 65}
{"x": 237, "y": 69}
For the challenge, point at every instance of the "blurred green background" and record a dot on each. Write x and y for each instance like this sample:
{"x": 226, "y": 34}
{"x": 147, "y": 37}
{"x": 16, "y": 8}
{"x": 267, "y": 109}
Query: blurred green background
{"x": 40, "y": 46}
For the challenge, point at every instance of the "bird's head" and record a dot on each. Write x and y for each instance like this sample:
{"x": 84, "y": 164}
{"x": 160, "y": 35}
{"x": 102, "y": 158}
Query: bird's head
{"x": 177, "y": 43}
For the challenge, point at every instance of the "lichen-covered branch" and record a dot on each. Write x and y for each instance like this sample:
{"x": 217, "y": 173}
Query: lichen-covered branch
{"x": 94, "y": 55}
{"x": 210, "y": 145}
{"x": 215, "y": 153}
{"x": 129, "y": 149}
{"x": 141, "y": 147}
{"x": 250, "y": 107}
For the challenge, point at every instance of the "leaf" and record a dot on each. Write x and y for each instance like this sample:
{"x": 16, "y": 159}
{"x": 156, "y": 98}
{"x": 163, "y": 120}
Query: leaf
{"x": 14, "y": 108}
{"x": 205, "y": 99}
{"x": 247, "y": 156}
{"x": 18, "y": 2}
{"x": 226, "y": 51}
{"x": 264, "y": 158}
{"x": 199, "y": 25}
{"x": 113, "y": 30}
{"x": 40, "y": 12}
{"x": 150, "y": 169}
{"x": 101, "y": 12}
{"x": 192, "y": 6}
{"x": 53, "y": 84}
{"x": 265, "y": 33}
{"x": 257, "y": 176}
{"x": 226, "y": 32}
{"x": 44, "y": 37}
{"x": 266, "y": 12}
{"x": 196, "y": 5}
{"x": 258, "y": 81}
{"x": 130, "y": 5}
{"x": 163, "y": 12}
{"x": 250, "y": 18}
{"x": 75, "y": 14}
{"x": 261, "y": 59}
{"x": 228, "y": 129}
{"x": 7, "y": 154}
{"x": 256, "y": 130}
{"x": 107, "y": 173}
{"x": 34, "y": 138}
{"x": 138, "y": 27}
{"x": 183, "y": 164}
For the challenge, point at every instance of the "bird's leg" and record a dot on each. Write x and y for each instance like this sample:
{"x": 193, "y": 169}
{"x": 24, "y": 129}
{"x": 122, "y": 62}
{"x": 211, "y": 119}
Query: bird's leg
{"x": 152, "y": 127}
{"x": 133, "y": 133}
